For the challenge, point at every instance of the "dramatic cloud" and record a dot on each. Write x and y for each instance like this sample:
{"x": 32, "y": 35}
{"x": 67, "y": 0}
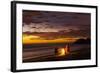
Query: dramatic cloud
{"x": 47, "y": 21}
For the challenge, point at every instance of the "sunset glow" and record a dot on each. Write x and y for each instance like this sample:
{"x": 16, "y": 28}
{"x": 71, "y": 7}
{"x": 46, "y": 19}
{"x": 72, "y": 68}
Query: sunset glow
{"x": 36, "y": 39}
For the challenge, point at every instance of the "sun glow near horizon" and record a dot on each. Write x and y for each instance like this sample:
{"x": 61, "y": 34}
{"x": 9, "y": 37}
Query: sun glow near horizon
{"x": 32, "y": 39}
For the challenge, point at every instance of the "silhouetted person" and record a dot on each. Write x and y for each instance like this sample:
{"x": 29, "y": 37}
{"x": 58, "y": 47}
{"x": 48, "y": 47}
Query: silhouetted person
{"x": 67, "y": 49}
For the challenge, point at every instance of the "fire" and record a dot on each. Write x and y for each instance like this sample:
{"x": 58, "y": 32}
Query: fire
{"x": 62, "y": 51}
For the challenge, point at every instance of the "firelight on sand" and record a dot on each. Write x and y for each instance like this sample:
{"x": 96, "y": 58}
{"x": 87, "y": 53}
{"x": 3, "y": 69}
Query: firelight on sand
{"x": 62, "y": 51}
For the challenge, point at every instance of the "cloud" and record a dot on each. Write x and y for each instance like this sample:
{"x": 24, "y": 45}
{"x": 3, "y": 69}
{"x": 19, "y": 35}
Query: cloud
{"x": 56, "y": 17}
{"x": 71, "y": 23}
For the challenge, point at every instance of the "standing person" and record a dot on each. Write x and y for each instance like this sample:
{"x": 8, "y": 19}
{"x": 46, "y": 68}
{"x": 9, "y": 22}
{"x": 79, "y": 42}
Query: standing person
{"x": 67, "y": 49}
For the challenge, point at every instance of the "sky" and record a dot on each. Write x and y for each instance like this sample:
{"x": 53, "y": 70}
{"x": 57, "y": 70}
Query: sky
{"x": 49, "y": 21}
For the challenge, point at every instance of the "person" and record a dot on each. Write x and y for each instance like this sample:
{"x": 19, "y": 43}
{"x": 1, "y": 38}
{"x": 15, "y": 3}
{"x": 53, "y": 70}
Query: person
{"x": 67, "y": 49}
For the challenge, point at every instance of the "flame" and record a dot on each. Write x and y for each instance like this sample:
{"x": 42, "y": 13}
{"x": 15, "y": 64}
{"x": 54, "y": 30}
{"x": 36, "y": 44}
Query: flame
{"x": 61, "y": 52}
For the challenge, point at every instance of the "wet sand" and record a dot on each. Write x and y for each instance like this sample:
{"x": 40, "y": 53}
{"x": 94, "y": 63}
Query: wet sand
{"x": 38, "y": 54}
